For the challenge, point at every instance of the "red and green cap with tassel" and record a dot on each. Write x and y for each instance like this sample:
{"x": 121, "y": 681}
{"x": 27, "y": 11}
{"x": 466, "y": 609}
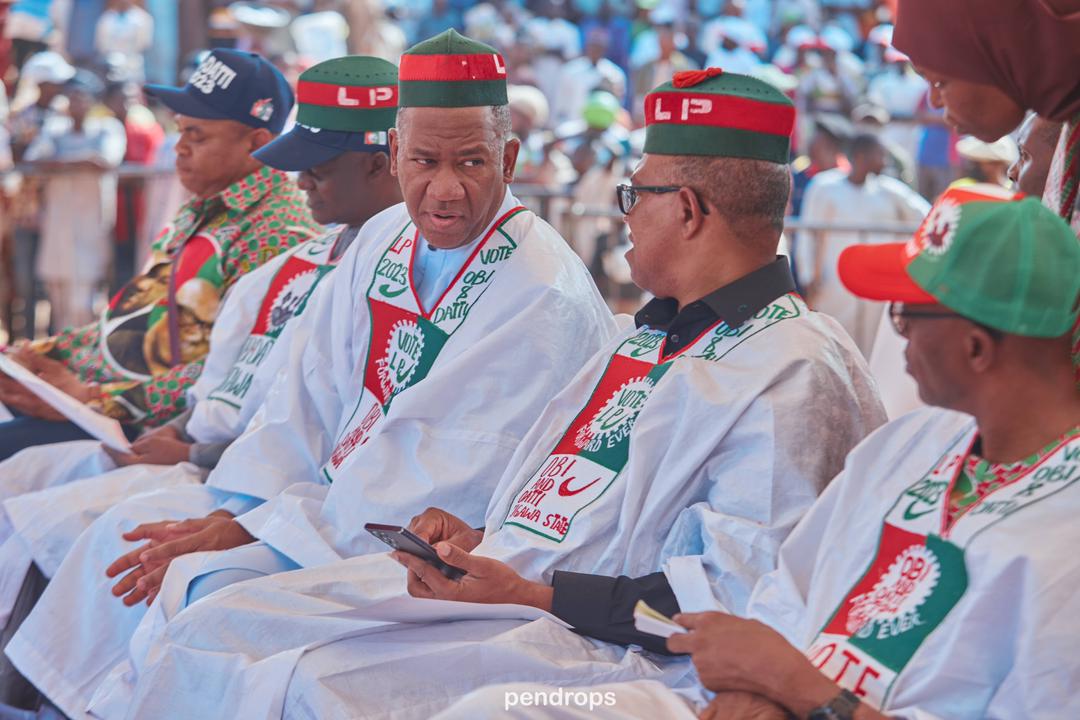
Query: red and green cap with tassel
{"x": 712, "y": 112}
{"x": 451, "y": 70}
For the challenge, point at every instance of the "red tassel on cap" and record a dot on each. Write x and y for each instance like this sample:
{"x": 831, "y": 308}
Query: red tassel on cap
{"x": 690, "y": 78}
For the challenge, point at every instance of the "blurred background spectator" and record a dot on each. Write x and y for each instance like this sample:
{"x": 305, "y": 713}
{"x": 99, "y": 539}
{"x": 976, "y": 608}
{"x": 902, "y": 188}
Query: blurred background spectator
{"x": 123, "y": 34}
{"x": 867, "y": 144}
{"x": 75, "y": 154}
{"x": 860, "y": 196}
{"x": 143, "y": 138}
{"x": 31, "y": 26}
{"x": 985, "y": 162}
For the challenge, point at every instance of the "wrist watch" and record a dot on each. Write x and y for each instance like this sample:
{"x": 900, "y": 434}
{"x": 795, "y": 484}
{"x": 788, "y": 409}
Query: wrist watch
{"x": 841, "y": 707}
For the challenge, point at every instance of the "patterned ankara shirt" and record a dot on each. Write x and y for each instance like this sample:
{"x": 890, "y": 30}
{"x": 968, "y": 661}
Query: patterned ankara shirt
{"x": 150, "y": 343}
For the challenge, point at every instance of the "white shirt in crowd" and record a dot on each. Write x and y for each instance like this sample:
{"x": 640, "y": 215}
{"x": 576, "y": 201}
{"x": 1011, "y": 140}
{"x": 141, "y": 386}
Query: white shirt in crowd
{"x": 320, "y": 36}
{"x": 128, "y": 34}
{"x": 739, "y": 60}
{"x": 578, "y": 78}
{"x": 900, "y": 94}
{"x": 832, "y": 198}
{"x": 80, "y": 209}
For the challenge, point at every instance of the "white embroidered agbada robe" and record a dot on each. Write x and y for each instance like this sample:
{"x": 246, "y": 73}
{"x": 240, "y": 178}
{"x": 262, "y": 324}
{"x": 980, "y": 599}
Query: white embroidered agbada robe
{"x": 923, "y": 620}
{"x": 51, "y": 493}
{"x": 699, "y": 464}
{"x": 517, "y": 323}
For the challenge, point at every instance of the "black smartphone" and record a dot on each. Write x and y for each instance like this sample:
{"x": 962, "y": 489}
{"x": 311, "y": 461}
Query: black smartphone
{"x": 400, "y": 538}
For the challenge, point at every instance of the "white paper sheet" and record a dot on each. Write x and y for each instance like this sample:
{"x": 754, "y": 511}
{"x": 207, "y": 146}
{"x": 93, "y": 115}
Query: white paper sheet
{"x": 688, "y": 580}
{"x": 97, "y": 425}
{"x": 653, "y": 622}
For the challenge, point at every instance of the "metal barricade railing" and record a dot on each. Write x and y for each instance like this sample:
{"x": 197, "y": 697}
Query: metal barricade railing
{"x": 796, "y": 230}
{"x": 546, "y": 200}
{"x": 127, "y": 170}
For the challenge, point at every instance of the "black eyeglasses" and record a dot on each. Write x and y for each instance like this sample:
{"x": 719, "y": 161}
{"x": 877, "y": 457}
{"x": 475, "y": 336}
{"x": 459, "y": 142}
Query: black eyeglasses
{"x": 899, "y": 313}
{"x": 627, "y": 195}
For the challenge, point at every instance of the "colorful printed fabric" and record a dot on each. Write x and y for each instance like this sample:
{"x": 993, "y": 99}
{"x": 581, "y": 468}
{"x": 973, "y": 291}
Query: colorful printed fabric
{"x": 149, "y": 345}
{"x": 980, "y": 478}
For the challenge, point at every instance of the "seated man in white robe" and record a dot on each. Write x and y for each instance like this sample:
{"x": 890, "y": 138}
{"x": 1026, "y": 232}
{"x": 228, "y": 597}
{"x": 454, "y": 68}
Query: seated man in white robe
{"x": 443, "y": 333}
{"x": 688, "y": 447}
{"x": 51, "y": 493}
{"x": 936, "y": 577}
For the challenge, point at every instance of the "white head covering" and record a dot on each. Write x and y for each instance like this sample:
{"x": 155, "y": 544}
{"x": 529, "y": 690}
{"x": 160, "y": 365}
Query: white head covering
{"x": 1002, "y": 150}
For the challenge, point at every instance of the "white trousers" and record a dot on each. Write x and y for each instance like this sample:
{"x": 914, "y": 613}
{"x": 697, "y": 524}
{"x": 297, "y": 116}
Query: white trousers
{"x": 344, "y": 640}
{"x": 28, "y": 471}
{"x": 52, "y": 493}
{"x": 78, "y": 630}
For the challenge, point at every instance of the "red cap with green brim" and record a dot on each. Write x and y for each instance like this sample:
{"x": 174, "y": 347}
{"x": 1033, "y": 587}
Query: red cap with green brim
{"x": 712, "y": 112}
{"x": 450, "y": 70}
{"x": 992, "y": 256}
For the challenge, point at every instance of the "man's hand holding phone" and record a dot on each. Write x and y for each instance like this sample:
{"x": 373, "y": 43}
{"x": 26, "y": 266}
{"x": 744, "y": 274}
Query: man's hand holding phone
{"x": 484, "y": 581}
{"x": 436, "y": 526}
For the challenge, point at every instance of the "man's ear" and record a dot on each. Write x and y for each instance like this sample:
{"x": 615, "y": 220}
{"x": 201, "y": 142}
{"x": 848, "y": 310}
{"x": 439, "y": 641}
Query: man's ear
{"x": 380, "y": 163}
{"x": 982, "y": 350}
{"x": 258, "y": 138}
{"x": 692, "y": 211}
{"x": 393, "y": 151}
{"x": 510, "y": 156}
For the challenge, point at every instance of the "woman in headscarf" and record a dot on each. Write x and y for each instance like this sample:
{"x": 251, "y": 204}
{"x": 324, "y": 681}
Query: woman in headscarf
{"x": 990, "y": 60}
{"x": 987, "y": 62}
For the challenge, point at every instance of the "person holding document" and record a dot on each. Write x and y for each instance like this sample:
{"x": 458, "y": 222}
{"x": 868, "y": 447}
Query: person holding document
{"x": 136, "y": 363}
{"x": 411, "y": 379}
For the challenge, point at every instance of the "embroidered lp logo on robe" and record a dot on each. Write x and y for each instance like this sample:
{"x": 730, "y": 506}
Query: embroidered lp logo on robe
{"x": 919, "y": 573}
{"x": 286, "y": 298}
{"x": 405, "y": 339}
{"x": 596, "y": 446}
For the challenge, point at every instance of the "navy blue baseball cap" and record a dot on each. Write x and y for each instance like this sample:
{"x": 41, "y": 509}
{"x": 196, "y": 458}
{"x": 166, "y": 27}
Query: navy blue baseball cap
{"x": 232, "y": 85}
{"x": 346, "y": 104}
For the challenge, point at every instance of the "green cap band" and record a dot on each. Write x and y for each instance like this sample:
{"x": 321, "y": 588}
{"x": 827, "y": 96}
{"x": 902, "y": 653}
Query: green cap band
{"x": 450, "y": 70}
{"x": 349, "y": 94}
{"x": 713, "y": 113}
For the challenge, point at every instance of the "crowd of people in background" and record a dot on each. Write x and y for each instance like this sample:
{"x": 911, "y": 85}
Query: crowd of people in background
{"x": 869, "y": 151}
{"x": 722, "y": 506}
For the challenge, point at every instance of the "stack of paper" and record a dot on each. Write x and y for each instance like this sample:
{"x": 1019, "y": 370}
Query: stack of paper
{"x": 650, "y": 621}
{"x": 95, "y": 424}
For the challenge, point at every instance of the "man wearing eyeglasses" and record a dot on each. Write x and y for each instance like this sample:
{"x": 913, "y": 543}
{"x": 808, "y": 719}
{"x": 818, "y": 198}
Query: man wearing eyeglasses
{"x": 936, "y": 576}
{"x": 671, "y": 468}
